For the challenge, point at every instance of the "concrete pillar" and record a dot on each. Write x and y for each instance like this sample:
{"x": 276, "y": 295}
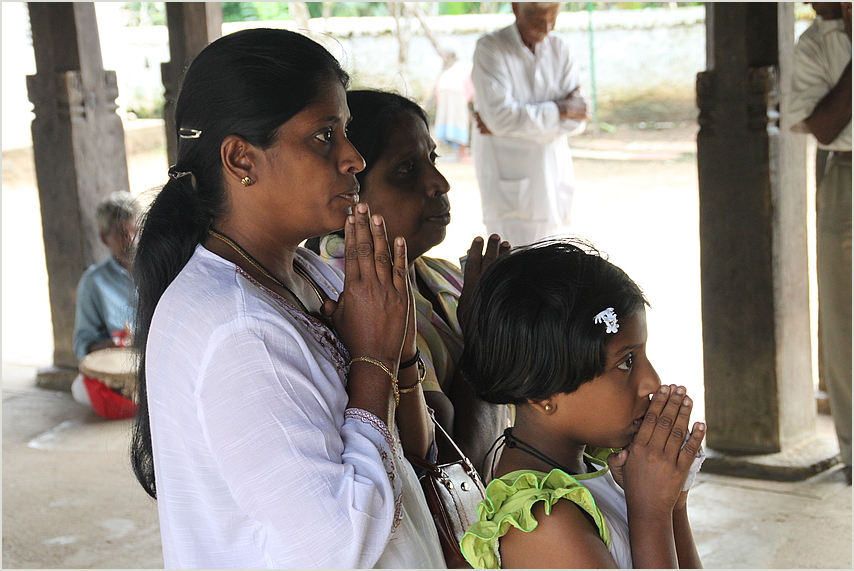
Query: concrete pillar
{"x": 755, "y": 299}
{"x": 79, "y": 152}
{"x": 192, "y": 26}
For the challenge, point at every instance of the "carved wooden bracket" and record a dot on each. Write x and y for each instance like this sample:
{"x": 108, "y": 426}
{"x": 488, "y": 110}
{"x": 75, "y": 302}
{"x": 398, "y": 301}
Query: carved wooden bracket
{"x": 68, "y": 98}
{"x": 762, "y": 99}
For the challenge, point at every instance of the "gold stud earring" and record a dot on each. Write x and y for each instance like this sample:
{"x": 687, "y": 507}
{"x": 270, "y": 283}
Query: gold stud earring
{"x": 246, "y": 181}
{"x": 547, "y": 407}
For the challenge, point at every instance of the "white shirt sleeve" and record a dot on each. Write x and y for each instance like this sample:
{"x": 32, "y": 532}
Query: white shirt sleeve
{"x": 809, "y": 83}
{"x": 324, "y": 489}
{"x": 499, "y": 107}
{"x": 821, "y": 56}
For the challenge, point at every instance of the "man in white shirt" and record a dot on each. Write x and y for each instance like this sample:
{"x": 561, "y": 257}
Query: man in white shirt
{"x": 527, "y": 101}
{"x": 821, "y": 105}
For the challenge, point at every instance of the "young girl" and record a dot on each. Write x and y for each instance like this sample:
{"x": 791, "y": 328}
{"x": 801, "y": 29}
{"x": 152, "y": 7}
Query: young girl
{"x": 561, "y": 333}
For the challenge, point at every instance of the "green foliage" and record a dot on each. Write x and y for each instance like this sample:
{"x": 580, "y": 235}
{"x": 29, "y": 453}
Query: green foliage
{"x": 453, "y": 8}
{"x": 353, "y": 9}
{"x": 272, "y": 10}
{"x": 456, "y": 8}
{"x": 238, "y": 12}
{"x": 263, "y": 11}
{"x": 315, "y": 9}
{"x": 630, "y": 5}
{"x": 144, "y": 107}
{"x": 154, "y": 13}
{"x": 145, "y": 13}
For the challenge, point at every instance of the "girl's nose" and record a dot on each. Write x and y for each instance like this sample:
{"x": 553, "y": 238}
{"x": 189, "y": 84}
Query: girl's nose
{"x": 650, "y": 382}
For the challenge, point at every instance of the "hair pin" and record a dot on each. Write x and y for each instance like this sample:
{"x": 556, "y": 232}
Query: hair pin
{"x": 609, "y": 318}
{"x": 189, "y": 133}
{"x": 176, "y": 174}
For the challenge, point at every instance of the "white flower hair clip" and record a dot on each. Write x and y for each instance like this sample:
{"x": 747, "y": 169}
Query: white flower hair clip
{"x": 609, "y": 318}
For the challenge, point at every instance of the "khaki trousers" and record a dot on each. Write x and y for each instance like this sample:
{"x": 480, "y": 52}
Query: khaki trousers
{"x": 833, "y": 260}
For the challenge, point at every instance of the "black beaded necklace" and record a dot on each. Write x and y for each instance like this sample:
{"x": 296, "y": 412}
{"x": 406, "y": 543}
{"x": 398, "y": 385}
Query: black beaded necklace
{"x": 509, "y": 441}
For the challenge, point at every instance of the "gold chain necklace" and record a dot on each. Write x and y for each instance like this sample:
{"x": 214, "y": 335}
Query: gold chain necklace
{"x": 237, "y": 248}
{"x": 302, "y": 272}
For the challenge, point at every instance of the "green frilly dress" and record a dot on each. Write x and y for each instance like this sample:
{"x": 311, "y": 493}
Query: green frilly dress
{"x": 509, "y": 501}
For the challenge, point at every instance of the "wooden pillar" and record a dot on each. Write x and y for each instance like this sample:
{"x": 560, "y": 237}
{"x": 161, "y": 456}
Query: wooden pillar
{"x": 192, "y": 26}
{"x": 79, "y": 152}
{"x": 755, "y": 302}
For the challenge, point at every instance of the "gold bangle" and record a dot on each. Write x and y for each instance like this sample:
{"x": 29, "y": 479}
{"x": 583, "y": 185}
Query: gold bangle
{"x": 422, "y": 374}
{"x": 387, "y": 370}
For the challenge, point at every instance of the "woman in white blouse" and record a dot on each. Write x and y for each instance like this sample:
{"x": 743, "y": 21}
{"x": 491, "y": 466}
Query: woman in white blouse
{"x": 273, "y": 416}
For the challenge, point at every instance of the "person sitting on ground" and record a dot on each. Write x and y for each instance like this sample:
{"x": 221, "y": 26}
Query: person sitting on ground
{"x": 402, "y": 183}
{"x": 273, "y": 415}
{"x": 105, "y": 293}
{"x": 561, "y": 333}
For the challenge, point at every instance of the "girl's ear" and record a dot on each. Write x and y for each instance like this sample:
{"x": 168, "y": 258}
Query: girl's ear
{"x": 545, "y": 406}
{"x": 239, "y": 158}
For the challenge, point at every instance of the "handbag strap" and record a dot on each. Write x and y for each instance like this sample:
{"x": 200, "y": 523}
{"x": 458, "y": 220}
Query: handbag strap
{"x": 449, "y": 439}
{"x": 437, "y": 468}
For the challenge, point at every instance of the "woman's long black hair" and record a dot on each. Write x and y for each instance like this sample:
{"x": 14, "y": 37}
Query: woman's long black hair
{"x": 249, "y": 84}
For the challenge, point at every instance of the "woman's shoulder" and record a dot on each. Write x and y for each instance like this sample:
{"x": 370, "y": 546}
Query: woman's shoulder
{"x": 211, "y": 292}
{"x": 509, "y": 503}
{"x": 213, "y": 304}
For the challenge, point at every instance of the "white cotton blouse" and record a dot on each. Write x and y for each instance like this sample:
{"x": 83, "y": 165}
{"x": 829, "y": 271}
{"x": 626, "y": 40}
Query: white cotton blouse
{"x": 821, "y": 55}
{"x": 258, "y": 462}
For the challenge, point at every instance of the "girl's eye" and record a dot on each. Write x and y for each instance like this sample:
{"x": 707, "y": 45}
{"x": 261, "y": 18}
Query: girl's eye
{"x": 325, "y": 135}
{"x": 433, "y": 157}
{"x": 628, "y": 363}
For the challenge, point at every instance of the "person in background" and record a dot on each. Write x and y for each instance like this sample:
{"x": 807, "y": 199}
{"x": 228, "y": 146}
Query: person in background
{"x": 105, "y": 293}
{"x": 402, "y": 183}
{"x": 527, "y": 100}
{"x": 454, "y": 93}
{"x": 821, "y": 106}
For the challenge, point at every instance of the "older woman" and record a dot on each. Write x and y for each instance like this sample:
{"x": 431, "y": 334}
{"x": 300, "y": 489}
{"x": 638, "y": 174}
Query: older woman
{"x": 402, "y": 183}
{"x": 269, "y": 387}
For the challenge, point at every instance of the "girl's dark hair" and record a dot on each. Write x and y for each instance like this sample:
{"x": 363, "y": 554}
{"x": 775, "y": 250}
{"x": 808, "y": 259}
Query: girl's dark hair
{"x": 249, "y": 84}
{"x": 374, "y": 117}
{"x": 531, "y": 331}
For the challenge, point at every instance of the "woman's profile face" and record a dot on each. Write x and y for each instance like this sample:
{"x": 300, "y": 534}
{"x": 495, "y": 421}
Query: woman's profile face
{"x": 307, "y": 178}
{"x": 405, "y": 186}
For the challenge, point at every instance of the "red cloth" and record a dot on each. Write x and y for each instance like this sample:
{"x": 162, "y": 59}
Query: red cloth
{"x": 106, "y": 402}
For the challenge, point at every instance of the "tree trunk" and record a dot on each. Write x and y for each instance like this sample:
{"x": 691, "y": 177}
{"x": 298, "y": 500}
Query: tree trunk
{"x": 300, "y": 14}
